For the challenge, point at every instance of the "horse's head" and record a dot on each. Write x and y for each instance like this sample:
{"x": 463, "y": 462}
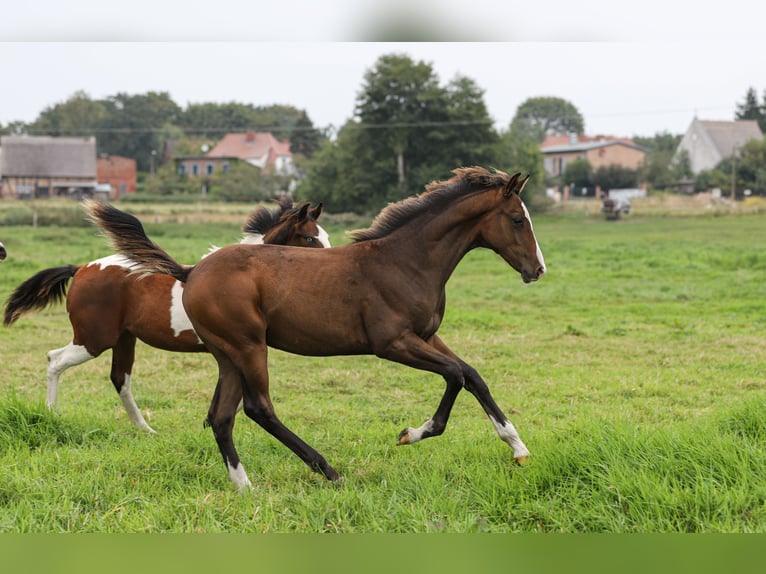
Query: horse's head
{"x": 507, "y": 230}
{"x": 3, "y": 253}
{"x": 298, "y": 227}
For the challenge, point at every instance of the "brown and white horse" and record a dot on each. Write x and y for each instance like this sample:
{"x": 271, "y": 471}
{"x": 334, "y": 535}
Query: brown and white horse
{"x": 109, "y": 307}
{"x": 383, "y": 294}
{"x": 3, "y": 252}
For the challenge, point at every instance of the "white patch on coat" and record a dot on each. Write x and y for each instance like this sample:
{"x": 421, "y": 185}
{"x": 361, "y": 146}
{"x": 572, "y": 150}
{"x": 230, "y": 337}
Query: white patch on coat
{"x": 539, "y": 251}
{"x": 115, "y": 260}
{"x": 252, "y": 239}
{"x": 179, "y": 320}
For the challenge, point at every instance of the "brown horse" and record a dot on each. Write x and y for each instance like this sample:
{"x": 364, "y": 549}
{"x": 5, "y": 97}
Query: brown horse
{"x": 109, "y": 308}
{"x": 383, "y": 294}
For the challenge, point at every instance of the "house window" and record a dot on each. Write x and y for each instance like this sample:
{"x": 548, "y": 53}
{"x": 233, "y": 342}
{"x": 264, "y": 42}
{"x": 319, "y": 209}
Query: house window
{"x": 181, "y": 169}
{"x": 123, "y": 189}
{"x": 195, "y": 169}
{"x": 209, "y": 169}
{"x": 226, "y": 167}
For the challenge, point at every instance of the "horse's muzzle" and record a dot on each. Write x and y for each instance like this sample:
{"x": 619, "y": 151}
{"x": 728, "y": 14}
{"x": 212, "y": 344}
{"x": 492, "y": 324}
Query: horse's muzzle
{"x": 529, "y": 277}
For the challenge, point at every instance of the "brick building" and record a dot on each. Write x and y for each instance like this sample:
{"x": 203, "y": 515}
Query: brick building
{"x": 118, "y": 172}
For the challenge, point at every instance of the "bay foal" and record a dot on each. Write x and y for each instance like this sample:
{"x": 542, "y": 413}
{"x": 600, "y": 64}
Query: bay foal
{"x": 109, "y": 308}
{"x": 383, "y": 294}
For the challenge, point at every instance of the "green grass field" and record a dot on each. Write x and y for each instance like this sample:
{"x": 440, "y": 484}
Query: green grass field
{"x": 634, "y": 372}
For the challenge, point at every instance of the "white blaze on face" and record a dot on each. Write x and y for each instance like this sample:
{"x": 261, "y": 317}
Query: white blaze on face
{"x": 323, "y": 237}
{"x": 179, "y": 320}
{"x": 539, "y": 252}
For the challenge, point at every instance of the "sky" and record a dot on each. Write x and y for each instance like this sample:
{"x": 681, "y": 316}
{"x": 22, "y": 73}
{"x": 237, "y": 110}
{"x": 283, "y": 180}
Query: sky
{"x": 639, "y": 72}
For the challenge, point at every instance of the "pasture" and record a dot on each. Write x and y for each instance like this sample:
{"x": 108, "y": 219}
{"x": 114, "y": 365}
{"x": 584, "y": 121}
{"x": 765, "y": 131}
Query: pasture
{"x": 634, "y": 371}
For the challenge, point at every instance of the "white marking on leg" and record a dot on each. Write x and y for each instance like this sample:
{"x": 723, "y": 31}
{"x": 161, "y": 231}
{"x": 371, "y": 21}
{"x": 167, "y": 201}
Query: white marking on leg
{"x": 539, "y": 251}
{"x": 414, "y": 435}
{"x": 239, "y": 477}
{"x": 323, "y": 237}
{"x": 60, "y": 360}
{"x": 134, "y": 413}
{"x": 508, "y": 434}
{"x": 179, "y": 320}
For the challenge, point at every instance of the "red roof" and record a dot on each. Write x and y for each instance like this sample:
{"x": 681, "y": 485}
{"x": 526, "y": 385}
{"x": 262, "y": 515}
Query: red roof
{"x": 251, "y": 146}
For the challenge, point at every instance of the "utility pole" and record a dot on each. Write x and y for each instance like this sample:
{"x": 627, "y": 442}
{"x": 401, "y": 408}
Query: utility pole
{"x": 733, "y": 172}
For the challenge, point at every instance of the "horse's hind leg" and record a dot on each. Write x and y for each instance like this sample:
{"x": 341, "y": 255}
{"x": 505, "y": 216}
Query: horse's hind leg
{"x": 123, "y": 356}
{"x": 258, "y": 406}
{"x": 220, "y": 417}
{"x": 59, "y": 360}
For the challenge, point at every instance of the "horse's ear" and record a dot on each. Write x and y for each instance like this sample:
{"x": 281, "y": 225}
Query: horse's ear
{"x": 316, "y": 211}
{"x": 511, "y": 185}
{"x": 303, "y": 211}
{"x": 522, "y": 183}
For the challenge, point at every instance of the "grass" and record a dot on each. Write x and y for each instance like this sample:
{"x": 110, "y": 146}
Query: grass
{"x": 633, "y": 371}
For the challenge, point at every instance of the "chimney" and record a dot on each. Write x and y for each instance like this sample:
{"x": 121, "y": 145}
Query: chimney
{"x": 249, "y": 137}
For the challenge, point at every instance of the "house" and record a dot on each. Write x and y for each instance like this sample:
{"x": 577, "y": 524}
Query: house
{"x": 708, "y": 142}
{"x": 117, "y": 173}
{"x": 600, "y": 151}
{"x": 47, "y": 166}
{"x": 260, "y": 149}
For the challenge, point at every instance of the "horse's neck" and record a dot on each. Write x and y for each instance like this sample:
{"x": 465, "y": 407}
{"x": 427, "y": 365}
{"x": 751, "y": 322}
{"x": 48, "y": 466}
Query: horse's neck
{"x": 442, "y": 240}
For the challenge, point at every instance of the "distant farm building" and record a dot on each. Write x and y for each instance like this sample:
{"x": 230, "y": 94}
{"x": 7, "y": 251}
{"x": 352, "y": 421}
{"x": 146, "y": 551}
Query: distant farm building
{"x": 600, "y": 151}
{"x": 261, "y": 150}
{"x": 118, "y": 174}
{"x": 34, "y": 167}
{"x": 707, "y": 142}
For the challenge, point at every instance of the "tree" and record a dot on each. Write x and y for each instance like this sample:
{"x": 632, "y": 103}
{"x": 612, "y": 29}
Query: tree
{"x": 750, "y": 109}
{"x": 541, "y": 116}
{"x": 134, "y": 123}
{"x": 578, "y": 173}
{"x": 615, "y": 177}
{"x": 408, "y": 130}
{"x": 659, "y": 170}
{"x": 77, "y": 116}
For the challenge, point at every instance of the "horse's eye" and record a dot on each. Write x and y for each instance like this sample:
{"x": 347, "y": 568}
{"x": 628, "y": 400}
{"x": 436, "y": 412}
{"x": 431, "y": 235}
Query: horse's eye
{"x": 309, "y": 240}
{"x": 518, "y": 220}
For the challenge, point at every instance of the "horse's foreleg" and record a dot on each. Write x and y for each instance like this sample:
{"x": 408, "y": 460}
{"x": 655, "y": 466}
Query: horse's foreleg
{"x": 59, "y": 360}
{"x": 436, "y": 357}
{"x": 123, "y": 356}
{"x": 505, "y": 429}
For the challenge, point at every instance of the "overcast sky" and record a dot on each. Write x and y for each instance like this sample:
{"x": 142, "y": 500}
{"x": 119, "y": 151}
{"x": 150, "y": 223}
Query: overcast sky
{"x": 628, "y": 73}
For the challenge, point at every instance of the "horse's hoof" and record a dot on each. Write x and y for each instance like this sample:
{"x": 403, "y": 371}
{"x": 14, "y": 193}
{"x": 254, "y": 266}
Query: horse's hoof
{"x": 404, "y": 437}
{"x": 522, "y": 460}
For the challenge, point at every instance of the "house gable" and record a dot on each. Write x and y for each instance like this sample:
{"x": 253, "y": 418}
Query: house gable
{"x": 707, "y": 142}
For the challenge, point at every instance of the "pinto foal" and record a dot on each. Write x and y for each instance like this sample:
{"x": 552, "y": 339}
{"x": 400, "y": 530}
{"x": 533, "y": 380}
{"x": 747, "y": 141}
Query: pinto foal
{"x": 109, "y": 307}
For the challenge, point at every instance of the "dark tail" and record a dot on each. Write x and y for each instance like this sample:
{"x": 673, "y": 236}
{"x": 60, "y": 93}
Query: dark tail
{"x": 39, "y": 291}
{"x": 127, "y": 236}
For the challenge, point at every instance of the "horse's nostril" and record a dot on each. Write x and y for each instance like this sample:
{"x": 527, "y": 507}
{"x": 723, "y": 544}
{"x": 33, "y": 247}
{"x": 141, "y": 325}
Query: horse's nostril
{"x": 540, "y": 271}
